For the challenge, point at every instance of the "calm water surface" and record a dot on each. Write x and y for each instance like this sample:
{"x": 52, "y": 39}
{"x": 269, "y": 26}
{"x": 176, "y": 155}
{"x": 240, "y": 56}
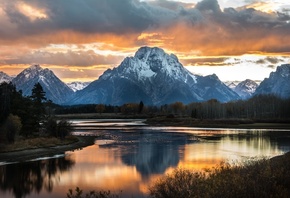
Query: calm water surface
{"x": 129, "y": 156}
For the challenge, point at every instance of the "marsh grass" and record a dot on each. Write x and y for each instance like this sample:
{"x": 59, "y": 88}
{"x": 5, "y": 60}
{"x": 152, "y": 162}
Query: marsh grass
{"x": 262, "y": 178}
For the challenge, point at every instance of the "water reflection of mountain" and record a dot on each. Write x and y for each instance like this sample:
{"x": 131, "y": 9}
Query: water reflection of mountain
{"x": 153, "y": 152}
{"x": 24, "y": 178}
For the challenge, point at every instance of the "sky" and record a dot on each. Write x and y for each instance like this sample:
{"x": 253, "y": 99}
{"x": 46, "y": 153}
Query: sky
{"x": 80, "y": 39}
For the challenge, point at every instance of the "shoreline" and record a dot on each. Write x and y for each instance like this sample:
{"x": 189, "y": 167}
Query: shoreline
{"x": 30, "y": 154}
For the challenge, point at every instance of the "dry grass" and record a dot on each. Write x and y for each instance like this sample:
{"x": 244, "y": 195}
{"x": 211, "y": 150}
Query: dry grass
{"x": 39, "y": 142}
{"x": 263, "y": 178}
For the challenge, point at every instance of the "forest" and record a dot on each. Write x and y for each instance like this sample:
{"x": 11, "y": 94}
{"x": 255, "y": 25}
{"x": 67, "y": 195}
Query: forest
{"x": 267, "y": 107}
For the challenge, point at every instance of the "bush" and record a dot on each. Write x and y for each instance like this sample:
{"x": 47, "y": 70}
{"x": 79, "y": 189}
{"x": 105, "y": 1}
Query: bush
{"x": 92, "y": 194}
{"x": 59, "y": 129}
{"x": 12, "y": 127}
{"x": 64, "y": 128}
{"x": 264, "y": 178}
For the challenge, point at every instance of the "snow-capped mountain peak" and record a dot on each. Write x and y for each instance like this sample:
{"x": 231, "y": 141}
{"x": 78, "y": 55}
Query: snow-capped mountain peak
{"x": 5, "y": 78}
{"x": 154, "y": 77}
{"x": 76, "y": 86}
{"x": 55, "y": 89}
{"x": 151, "y": 62}
{"x": 246, "y": 88}
{"x": 277, "y": 83}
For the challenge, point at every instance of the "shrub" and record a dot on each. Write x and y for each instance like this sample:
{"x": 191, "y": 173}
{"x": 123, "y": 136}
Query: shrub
{"x": 11, "y": 127}
{"x": 263, "y": 178}
{"x": 92, "y": 194}
{"x": 64, "y": 128}
{"x": 59, "y": 129}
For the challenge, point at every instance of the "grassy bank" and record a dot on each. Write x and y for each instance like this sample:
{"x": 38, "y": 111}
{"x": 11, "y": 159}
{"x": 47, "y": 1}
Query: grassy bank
{"x": 40, "y": 147}
{"x": 38, "y": 142}
{"x": 263, "y": 178}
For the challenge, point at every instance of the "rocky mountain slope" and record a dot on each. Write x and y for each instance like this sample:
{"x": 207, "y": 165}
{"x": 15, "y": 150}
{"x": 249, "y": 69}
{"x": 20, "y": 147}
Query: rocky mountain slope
{"x": 278, "y": 82}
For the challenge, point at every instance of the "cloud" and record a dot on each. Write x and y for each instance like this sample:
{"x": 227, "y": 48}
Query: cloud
{"x": 72, "y": 58}
{"x": 203, "y": 28}
{"x": 216, "y": 61}
{"x": 270, "y": 59}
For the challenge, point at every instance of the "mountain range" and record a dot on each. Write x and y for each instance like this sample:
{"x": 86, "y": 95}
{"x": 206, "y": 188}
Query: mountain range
{"x": 151, "y": 76}
{"x": 154, "y": 77}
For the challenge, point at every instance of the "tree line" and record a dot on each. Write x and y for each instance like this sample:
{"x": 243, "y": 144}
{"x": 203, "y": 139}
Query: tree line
{"x": 257, "y": 107}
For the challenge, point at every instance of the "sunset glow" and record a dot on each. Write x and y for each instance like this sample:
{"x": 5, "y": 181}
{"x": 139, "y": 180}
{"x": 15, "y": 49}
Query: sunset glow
{"x": 80, "y": 40}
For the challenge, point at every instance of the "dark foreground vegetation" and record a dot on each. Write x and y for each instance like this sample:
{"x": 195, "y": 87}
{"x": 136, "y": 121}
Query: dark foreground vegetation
{"x": 262, "y": 178}
{"x": 24, "y": 117}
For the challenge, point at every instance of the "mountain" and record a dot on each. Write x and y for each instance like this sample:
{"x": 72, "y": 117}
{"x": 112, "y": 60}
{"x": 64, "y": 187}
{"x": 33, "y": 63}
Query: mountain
{"x": 278, "y": 83}
{"x": 231, "y": 84}
{"x": 246, "y": 88}
{"x": 76, "y": 86}
{"x": 5, "y": 78}
{"x": 154, "y": 77}
{"x": 55, "y": 89}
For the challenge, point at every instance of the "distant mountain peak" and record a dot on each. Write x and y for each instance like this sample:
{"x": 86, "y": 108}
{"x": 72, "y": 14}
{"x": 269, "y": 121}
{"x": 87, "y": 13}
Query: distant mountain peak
{"x": 5, "y": 77}
{"x": 283, "y": 70}
{"x": 77, "y": 85}
{"x": 277, "y": 83}
{"x": 246, "y": 88}
{"x": 155, "y": 77}
{"x": 55, "y": 89}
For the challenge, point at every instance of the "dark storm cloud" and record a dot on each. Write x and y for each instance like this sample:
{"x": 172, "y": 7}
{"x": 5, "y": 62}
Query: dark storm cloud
{"x": 80, "y": 58}
{"x": 269, "y": 59}
{"x": 208, "y": 5}
{"x": 204, "y": 27}
{"x": 273, "y": 60}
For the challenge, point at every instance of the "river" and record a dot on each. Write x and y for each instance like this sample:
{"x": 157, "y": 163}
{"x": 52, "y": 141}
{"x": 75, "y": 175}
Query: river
{"x": 129, "y": 156}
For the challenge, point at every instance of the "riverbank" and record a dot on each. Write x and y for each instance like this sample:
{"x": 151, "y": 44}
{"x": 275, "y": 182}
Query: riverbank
{"x": 29, "y": 152}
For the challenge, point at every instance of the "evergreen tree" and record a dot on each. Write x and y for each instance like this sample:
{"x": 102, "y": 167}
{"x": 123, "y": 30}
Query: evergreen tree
{"x": 141, "y": 106}
{"x": 38, "y": 109}
{"x": 38, "y": 95}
